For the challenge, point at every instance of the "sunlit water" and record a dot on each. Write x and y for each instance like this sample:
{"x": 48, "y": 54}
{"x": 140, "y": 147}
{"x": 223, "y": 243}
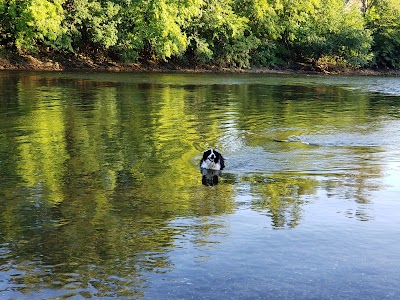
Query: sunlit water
{"x": 101, "y": 195}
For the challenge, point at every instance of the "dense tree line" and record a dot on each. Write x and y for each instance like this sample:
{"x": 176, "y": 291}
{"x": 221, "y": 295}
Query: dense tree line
{"x": 230, "y": 33}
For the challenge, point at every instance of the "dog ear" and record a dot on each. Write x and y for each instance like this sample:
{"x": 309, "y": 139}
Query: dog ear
{"x": 206, "y": 154}
{"x": 222, "y": 162}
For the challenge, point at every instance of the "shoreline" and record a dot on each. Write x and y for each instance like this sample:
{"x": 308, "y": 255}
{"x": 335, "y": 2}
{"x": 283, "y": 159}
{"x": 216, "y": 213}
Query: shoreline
{"x": 85, "y": 64}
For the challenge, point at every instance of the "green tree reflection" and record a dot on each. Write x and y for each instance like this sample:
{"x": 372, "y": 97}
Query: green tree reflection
{"x": 99, "y": 178}
{"x": 281, "y": 197}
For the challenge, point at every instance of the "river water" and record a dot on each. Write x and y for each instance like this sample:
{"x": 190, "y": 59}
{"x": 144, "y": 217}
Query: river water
{"x": 101, "y": 195}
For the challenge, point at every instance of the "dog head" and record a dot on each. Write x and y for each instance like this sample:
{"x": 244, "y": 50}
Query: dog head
{"x": 211, "y": 155}
{"x": 212, "y": 159}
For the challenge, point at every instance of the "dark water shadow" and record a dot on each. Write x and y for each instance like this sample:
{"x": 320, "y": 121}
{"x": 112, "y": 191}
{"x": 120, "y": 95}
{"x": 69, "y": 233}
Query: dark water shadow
{"x": 209, "y": 177}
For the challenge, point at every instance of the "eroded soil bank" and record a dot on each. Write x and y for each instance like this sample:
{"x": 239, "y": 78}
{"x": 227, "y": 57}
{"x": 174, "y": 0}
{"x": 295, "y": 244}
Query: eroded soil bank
{"x": 86, "y": 64}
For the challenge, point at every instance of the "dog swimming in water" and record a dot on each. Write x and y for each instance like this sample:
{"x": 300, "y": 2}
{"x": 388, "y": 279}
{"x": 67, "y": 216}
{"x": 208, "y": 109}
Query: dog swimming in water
{"x": 211, "y": 165}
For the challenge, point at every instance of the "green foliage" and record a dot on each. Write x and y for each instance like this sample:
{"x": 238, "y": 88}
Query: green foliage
{"x": 154, "y": 29}
{"x": 263, "y": 24}
{"x": 220, "y": 36}
{"x": 383, "y": 18}
{"x": 31, "y": 23}
{"x": 227, "y": 33}
{"x": 313, "y": 29}
{"x": 4, "y": 22}
{"x": 90, "y": 25}
{"x": 351, "y": 41}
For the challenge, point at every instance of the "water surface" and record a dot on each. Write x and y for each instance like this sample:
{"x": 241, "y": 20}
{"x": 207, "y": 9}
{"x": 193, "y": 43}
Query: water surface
{"x": 101, "y": 195}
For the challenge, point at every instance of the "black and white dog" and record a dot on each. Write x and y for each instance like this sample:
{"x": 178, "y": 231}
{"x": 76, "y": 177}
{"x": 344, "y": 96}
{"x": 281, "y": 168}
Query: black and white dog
{"x": 210, "y": 167}
{"x": 212, "y": 160}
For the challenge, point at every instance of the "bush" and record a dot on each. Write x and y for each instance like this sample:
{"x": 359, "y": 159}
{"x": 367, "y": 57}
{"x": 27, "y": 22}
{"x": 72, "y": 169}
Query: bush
{"x": 90, "y": 26}
{"x": 383, "y": 19}
{"x": 329, "y": 28}
{"x": 219, "y": 36}
{"x": 30, "y": 24}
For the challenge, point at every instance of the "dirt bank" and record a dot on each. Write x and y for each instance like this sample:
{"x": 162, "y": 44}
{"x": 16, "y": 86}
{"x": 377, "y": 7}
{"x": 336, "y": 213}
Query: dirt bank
{"x": 86, "y": 64}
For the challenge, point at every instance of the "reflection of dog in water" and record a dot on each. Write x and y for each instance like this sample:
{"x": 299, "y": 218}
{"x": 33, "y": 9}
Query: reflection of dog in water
{"x": 209, "y": 177}
{"x": 211, "y": 165}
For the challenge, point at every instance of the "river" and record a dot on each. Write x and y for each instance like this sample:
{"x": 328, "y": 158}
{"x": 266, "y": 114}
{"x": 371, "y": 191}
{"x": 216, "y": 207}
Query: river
{"x": 101, "y": 195}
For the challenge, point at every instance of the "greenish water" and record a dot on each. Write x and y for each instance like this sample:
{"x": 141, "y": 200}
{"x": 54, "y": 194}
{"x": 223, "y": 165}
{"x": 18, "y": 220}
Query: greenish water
{"x": 101, "y": 195}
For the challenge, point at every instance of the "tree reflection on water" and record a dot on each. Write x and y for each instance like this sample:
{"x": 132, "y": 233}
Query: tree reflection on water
{"x": 95, "y": 175}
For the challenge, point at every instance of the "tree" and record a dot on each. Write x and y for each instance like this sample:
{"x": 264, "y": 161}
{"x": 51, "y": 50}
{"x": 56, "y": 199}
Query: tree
{"x": 321, "y": 28}
{"x": 90, "y": 25}
{"x": 154, "y": 29}
{"x": 226, "y": 33}
{"x": 31, "y": 24}
{"x": 220, "y": 36}
{"x": 264, "y": 26}
{"x": 383, "y": 19}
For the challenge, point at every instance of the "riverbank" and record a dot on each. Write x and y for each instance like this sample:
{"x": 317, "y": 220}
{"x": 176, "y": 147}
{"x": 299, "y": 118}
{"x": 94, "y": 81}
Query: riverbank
{"x": 86, "y": 64}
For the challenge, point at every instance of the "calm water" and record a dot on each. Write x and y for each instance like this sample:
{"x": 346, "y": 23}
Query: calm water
{"x": 101, "y": 195}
